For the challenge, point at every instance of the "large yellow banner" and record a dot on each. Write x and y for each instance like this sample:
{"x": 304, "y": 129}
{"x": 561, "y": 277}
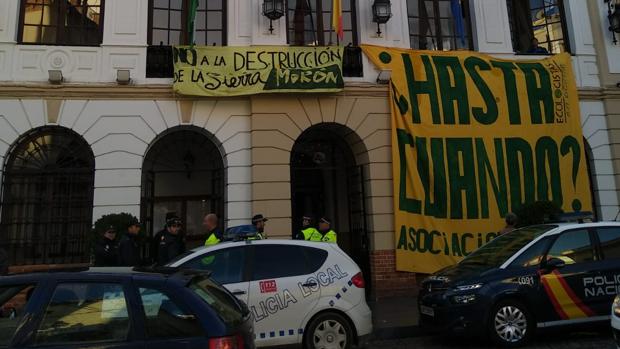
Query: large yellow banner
{"x": 473, "y": 138}
{"x": 235, "y": 71}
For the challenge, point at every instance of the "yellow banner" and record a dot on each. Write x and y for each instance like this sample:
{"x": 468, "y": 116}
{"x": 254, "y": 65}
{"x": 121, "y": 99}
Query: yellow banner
{"x": 235, "y": 71}
{"x": 473, "y": 138}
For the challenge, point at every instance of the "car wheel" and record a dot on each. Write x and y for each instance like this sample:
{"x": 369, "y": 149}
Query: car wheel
{"x": 510, "y": 324}
{"x": 328, "y": 331}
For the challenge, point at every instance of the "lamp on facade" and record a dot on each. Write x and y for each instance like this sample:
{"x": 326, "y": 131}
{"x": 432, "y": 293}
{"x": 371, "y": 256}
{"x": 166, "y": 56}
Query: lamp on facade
{"x": 613, "y": 15}
{"x": 274, "y": 10}
{"x": 381, "y": 13}
{"x": 55, "y": 77}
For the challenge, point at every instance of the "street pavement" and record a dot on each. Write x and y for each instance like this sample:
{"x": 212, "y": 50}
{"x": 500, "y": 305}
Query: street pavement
{"x": 594, "y": 340}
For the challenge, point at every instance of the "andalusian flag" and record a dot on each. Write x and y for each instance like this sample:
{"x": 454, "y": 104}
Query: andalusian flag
{"x": 191, "y": 21}
{"x": 337, "y": 19}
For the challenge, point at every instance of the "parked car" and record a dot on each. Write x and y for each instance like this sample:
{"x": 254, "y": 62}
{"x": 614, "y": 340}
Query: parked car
{"x": 121, "y": 308}
{"x": 531, "y": 278}
{"x": 298, "y": 291}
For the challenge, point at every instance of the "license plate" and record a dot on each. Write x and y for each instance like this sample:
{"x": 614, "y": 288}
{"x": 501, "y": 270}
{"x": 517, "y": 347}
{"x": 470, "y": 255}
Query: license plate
{"x": 427, "y": 310}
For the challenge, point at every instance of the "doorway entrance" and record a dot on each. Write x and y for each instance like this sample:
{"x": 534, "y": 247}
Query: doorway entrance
{"x": 327, "y": 181}
{"x": 183, "y": 173}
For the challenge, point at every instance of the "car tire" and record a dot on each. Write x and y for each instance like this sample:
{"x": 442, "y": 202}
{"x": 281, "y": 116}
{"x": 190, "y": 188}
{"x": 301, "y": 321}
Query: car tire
{"x": 330, "y": 331}
{"x": 510, "y": 324}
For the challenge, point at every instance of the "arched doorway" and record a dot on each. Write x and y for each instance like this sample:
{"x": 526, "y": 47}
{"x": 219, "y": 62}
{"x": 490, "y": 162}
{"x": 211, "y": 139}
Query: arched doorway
{"x": 47, "y": 198}
{"x": 183, "y": 172}
{"x": 327, "y": 180}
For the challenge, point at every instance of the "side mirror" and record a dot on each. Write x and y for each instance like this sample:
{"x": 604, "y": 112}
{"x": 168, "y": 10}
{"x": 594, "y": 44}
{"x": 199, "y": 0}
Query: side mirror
{"x": 553, "y": 264}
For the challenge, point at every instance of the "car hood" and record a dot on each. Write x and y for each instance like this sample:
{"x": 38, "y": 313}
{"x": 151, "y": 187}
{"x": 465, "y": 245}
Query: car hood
{"x": 459, "y": 274}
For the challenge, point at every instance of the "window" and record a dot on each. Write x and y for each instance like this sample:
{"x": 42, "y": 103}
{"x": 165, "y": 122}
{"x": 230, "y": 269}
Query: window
{"x": 228, "y": 308}
{"x": 62, "y": 22}
{"x": 165, "y": 318}
{"x": 14, "y": 300}
{"x": 47, "y": 198}
{"x": 226, "y": 265}
{"x": 572, "y": 247}
{"x": 439, "y": 24}
{"x": 309, "y": 22}
{"x": 85, "y": 313}
{"x": 168, "y": 27}
{"x": 315, "y": 257}
{"x": 610, "y": 242}
{"x": 532, "y": 256}
{"x": 278, "y": 261}
{"x": 543, "y": 20}
{"x": 168, "y": 22}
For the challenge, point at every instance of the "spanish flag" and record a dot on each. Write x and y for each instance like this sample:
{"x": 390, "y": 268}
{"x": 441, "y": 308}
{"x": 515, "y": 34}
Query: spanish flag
{"x": 337, "y": 19}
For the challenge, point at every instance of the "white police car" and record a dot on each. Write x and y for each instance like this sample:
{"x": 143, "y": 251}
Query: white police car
{"x": 299, "y": 291}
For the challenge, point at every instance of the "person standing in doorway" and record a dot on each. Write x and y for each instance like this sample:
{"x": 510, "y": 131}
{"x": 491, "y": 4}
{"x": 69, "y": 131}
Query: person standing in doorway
{"x": 171, "y": 243}
{"x": 129, "y": 247}
{"x": 209, "y": 222}
{"x": 324, "y": 234}
{"x": 511, "y": 223}
{"x": 307, "y": 230}
{"x": 4, "y": 262}
{"x": 259, "y": 223}
{"x": 156, "y": 239}
{"x": 106, "y": 249}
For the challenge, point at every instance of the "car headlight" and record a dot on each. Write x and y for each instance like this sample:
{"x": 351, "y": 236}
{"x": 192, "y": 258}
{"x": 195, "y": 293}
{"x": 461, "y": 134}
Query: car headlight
{"x": 616, "y": 306}
{"x": 468, "y": 287}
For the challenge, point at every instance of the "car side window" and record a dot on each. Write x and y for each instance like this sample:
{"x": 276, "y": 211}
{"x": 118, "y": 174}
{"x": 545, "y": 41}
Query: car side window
{"x": 532, "y": 256}
{"x": 14, "y": 299}
{"x": 572, "y": 247}
{"x": 609, "y": 238}
{"x": 165, "y": 318}
{"x": 85, "y": 313}
{"x": 277, "y": 261}
{"x": 315, "y": 257}
{"x": 226, "y": 265}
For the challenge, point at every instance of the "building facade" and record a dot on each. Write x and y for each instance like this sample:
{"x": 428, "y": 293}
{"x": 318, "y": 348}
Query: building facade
{"x": 76, "y": 150}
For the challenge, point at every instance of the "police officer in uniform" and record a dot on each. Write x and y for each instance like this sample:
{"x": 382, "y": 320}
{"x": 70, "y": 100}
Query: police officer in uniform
{"x": 325, "y": 233}
{"x": 130, "y": 245}
{"x": 306, "y": 228}
{"x": 209, "y": 222}
{"x": 171, "y": 243}
{"x": 106, "y": 249}
{"x": 259, "y": 222}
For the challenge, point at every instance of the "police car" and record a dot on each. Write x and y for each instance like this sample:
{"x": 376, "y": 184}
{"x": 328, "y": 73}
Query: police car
{"x": 535, "y": 277}
{"x": 298, "y": 291}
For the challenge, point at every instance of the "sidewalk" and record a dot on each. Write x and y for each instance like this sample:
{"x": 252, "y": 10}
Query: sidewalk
{"x": 395, "y": 317}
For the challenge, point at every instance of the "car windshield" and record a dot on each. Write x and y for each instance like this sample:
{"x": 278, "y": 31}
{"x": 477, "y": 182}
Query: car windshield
{"x": 220, "y": 300}
{"x": 183, "y": 255}
{"x": 498, "y": 250}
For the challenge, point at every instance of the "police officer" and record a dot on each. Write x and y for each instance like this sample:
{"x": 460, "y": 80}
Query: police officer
{"x": 325, "y": 233}
{"x": 209, "y": 222}
{"x": 171, "y": 243}
{"x": 106, "y": 249}
{"x": 259, "y": 223}
{"x": 156, "y": 239}
{"x": 306, "y": 228}
{"x": 129, "y": 247}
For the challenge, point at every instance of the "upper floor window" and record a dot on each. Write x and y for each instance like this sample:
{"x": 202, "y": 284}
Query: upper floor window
{"x": 309, "y": 22}
{"x": 168, "y": 22}
{"x": 538, "y": 26}
{"x": 439, "y": 24}
{"x": 61, "y": 22}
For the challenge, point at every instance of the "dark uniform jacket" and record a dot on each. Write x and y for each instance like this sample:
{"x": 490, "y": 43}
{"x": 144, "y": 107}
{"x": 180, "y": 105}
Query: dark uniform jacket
{"x": 170, "y": 246}
{"x": 129, "y": 251}
{"x": 106, "y": 253}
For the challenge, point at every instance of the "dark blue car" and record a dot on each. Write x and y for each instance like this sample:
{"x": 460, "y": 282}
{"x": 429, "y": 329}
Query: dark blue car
{"x": 121, "y": 308}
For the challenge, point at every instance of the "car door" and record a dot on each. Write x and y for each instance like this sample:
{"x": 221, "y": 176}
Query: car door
{"x": 604, "y": 286}
{"x": 17, "y": 309}
{"x": 566, "y": 301}
{"x": 283, "y": 289}
{"x": 86, "y": 315}
{"x": 168, "y": 322}
{"x": 228, "y": 267}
